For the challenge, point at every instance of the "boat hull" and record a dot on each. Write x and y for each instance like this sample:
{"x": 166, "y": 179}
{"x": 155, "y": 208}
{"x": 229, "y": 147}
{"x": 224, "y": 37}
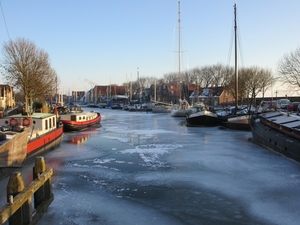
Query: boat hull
{"x": 202, "y": 118}
{"x": 160, "y": 109}
{"x": 44, "y": 143}
{"x": 178, "y": 112}
{"x": 70, "y": 125}
{"x": 237, "y": 123}
{"x": 274, "y": 140}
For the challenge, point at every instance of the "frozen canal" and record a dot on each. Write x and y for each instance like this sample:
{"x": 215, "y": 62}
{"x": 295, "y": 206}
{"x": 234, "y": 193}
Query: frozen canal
{"x": 145, "y": 168}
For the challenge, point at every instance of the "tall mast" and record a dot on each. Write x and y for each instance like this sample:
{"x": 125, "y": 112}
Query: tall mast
{"x": 155, "y": 91}
{"x": 236, "y": 60}
{"x": 179, "y": 51}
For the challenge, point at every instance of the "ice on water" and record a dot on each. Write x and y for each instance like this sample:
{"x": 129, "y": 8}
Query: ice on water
{"x": 145, "y": 169}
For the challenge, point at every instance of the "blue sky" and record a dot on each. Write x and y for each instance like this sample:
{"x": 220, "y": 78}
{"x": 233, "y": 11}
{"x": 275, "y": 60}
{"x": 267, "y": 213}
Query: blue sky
{"x": 97, "y": 42}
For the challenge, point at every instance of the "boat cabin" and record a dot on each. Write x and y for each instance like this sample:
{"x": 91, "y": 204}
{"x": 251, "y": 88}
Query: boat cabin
{"x": 40, "y": 122}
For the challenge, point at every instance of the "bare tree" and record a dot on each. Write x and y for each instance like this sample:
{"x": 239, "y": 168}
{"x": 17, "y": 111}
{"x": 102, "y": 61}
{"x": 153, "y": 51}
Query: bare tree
{"x": 289, "y": 68}
{"x": 171, "y": 77}
{"x": 254, "y": 80}
{"x": 195, "y": 76}
{"x": 207, "y": 75}
{"x": 28, "y": 69}
{"x": 220, "y": 74}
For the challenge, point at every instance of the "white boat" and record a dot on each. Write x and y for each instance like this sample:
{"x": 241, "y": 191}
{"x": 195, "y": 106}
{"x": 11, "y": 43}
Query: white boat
{"x": 162, "y": 109}
{"x": 75, "y": 118}
{"x": 42, "y": 133}
{"x": 181, "y": 109}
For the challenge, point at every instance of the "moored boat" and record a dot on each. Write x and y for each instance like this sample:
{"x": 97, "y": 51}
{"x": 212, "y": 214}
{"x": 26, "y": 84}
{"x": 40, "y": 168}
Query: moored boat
{"x": 278, "y": 131}
{"x": 75, "y": 118}
{"x": 42, "y": 130}
{"x": 236, "y": 122}
{"x": 161, "y": 109}
{"x": 181, "y": 109}
{"x": 199, "y": 115}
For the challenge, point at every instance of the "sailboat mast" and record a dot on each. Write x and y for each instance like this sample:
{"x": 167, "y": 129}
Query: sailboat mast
{"x": 236, "y": 60}
{"x": 179, "y": 51}
{"x": 155, "y": 91}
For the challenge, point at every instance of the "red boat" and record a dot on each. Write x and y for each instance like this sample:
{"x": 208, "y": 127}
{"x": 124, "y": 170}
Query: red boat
{"x": 75, "y": 119}
{"x": 43, "y": 131}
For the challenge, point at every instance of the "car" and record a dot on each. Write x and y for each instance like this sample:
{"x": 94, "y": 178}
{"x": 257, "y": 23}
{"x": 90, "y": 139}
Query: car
{"x": 283, "y": 103}
{"x": 293, "y": 106}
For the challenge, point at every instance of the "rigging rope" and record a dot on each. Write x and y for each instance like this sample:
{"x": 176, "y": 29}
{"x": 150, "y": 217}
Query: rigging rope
{"x": 240, "y": 46}
{"x": 4, "y": 21}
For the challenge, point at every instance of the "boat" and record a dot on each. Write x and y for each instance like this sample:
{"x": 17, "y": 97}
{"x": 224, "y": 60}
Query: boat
{"x": 117, "y": 106}
{"x": 278, "y": 131}
{"x": 43, "y": 132}
{"x": 199, "y": 115}
{"x": 236, "y": 121}
{"x": 75, "y": 118}
{"x": 240, "y": 122}
{"x": 181, "y": 109}
{"x": 162, "y": 108}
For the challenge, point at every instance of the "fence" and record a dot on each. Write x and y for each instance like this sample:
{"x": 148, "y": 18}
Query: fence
{"x": 19, "y": 209}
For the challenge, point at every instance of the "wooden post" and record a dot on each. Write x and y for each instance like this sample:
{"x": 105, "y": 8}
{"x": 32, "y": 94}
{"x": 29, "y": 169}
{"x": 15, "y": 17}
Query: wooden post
{"x": 18, "y": 210}
{"x": 38, "y": 169}
{"x": 24, "y": 214}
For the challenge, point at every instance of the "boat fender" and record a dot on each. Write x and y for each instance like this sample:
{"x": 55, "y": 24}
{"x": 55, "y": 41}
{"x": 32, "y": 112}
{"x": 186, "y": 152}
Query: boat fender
{"x": 13, "y": 122}
{"x": 26, "y": 122}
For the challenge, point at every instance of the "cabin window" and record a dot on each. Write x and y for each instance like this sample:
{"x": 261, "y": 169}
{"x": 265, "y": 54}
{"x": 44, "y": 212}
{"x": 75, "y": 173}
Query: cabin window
{"x": 83, "y": 117}
{"x": 46, "y": 124}
{"x": 53, "y": 121}
{"x": 79, "y": 117}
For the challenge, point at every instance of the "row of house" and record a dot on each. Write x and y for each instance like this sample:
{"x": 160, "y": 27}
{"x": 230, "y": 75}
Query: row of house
{"x": 168, "y": 93}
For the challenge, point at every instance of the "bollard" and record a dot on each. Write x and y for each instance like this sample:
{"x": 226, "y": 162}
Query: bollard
{"x": 43, "y": 192}
{"x": 14, "y": 187}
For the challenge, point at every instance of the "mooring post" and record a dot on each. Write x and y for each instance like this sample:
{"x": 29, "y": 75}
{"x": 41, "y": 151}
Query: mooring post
{"x": 24, "y": 214}
{"x": 45, "y": 191}
{"x": 38, "y": 169}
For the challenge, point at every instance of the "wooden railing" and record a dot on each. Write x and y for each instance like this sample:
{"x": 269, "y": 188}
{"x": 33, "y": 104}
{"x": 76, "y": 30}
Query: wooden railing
{"x": 19, "y": 209}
